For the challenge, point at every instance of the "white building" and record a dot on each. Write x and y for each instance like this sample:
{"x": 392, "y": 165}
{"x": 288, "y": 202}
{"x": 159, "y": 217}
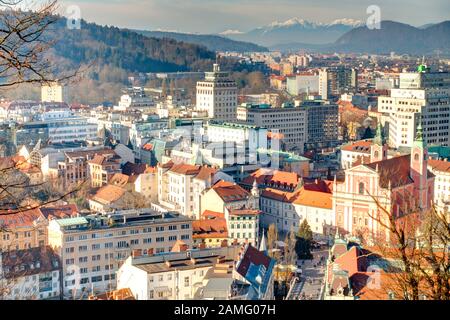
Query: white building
{"x": 175, "y": 276}
{"x": 180, "y": 186}
{"x": 217, "y": 95}
{"x": 289, "y": 121}
{"x": 441, "y": 170}
{"x": 423, "y": 98}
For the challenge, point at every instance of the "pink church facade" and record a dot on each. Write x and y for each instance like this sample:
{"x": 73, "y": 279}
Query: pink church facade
{"x": 401, "y": 185}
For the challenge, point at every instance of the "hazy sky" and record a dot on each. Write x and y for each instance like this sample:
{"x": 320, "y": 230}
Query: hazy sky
{"x": 212, "y": 16}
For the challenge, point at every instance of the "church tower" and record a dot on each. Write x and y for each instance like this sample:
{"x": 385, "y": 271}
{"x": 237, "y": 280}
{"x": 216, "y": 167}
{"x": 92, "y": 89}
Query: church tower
{"x": 418, "y": 168}
{"x": 379, "y": 148}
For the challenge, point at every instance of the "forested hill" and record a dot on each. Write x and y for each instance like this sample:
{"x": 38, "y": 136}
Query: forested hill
{"x": 126, "y": 49}
{"x": 212, "y": 42}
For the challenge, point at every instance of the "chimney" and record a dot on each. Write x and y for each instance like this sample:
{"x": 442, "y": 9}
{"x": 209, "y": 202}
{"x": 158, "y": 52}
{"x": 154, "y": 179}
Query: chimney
{"x": 168, "y": 264}
{"x": 193, "y": 261}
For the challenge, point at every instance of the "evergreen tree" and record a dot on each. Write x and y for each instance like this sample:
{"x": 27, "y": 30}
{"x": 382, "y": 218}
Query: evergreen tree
{"x": 304, "y": 239}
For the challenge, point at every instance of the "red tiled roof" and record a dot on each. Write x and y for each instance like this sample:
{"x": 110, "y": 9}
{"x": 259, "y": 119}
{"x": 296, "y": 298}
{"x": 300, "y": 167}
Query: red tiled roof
{"x": 396, "y": 170}
{"x": 230, "y": 191}
{"x": 208, "y": 214}
{"x": 20, "y": 263}
{"x": 19, "y": 219}
{"x": 252, "y": 256}
{"x": 60, "y": 212}
{"x": 244, "y": 212}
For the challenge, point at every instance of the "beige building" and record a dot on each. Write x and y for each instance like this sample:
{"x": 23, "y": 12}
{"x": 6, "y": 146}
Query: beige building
{"x": 102, "y": 168}
{"x": 54, "y": 92}
{"x": 92, "y": 248}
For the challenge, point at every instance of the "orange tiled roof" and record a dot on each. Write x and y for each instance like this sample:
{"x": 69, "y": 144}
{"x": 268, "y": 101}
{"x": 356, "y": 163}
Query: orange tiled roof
{"x": 269, "y": 177}
{"x": 119, "y": 179}
{"x": 314, "y": 199}
{"x": 109, "y": 194}
{"x": 361, "y": 146}
{"x": 279, "y": 195}
{"x": 186, "y": 169}
{"x": 439, "y": 165}
{"x": 206, "y": 173}
{"x": 208, "y": 214}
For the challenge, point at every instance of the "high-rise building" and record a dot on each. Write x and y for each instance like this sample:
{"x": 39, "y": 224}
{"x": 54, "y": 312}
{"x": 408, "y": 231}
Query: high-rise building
{"x": 289, "y": 121}
{"x": 423, "y": 98}
{"x": 336, "y": 81}
{"x": 323, "y": 121}
{"x": 217, "y": 95}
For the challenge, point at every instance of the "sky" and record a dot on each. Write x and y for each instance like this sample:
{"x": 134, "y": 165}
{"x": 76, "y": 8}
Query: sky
{"x": 214, "y": 16}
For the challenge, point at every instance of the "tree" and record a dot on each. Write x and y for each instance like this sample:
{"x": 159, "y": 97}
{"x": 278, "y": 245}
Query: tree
{"x": 290, "y": 255}
{"x": 23, "y": 43}
{"x": 419, "y": 240}
{"x": 304, "y": 239}
{"x": 272, "y": 238}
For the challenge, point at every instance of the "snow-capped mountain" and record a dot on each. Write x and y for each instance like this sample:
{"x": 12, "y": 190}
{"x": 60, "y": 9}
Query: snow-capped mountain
{"x": 296, "y": 30}
{"x": 230, "y": 31}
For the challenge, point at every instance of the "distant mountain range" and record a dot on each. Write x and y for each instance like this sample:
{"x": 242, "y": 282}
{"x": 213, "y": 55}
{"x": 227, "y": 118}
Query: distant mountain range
{"x": 211, "y": 42}
{"x": 348, "y": 35}
{"x": 397, "y": 37}
{"x": 295, "y": 30}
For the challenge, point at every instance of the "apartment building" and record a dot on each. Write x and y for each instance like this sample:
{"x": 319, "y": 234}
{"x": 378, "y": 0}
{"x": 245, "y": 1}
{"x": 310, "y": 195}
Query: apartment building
{"x": 94, "y": 247}
{"x": 176, "y": 276}
{"x": 288, "y": 121}
{"x": 217, "y": 95}
{"x": 323, "y": 121}
{"x": 30, "y": 274}
{"x": 239, "y": 207}
{"x": 28, "y": 229}
{"x": 337, "y": 80}
{"x": 74, "y": 168}
{"x": 422, "y": 98}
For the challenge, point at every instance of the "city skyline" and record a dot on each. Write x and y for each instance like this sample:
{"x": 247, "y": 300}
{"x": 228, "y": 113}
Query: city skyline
{"x": 215, "y": 16}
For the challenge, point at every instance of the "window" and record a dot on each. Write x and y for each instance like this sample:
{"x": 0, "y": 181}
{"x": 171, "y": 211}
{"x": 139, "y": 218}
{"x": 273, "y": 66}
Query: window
{"x": 186, "y": 281}
{"x": 416, "y": 157}
{"x": 361, "y": 188}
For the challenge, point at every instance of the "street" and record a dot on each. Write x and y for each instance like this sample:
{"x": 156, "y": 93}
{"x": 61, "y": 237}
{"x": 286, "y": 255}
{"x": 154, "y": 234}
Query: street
{"x": 311, "y": 281}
